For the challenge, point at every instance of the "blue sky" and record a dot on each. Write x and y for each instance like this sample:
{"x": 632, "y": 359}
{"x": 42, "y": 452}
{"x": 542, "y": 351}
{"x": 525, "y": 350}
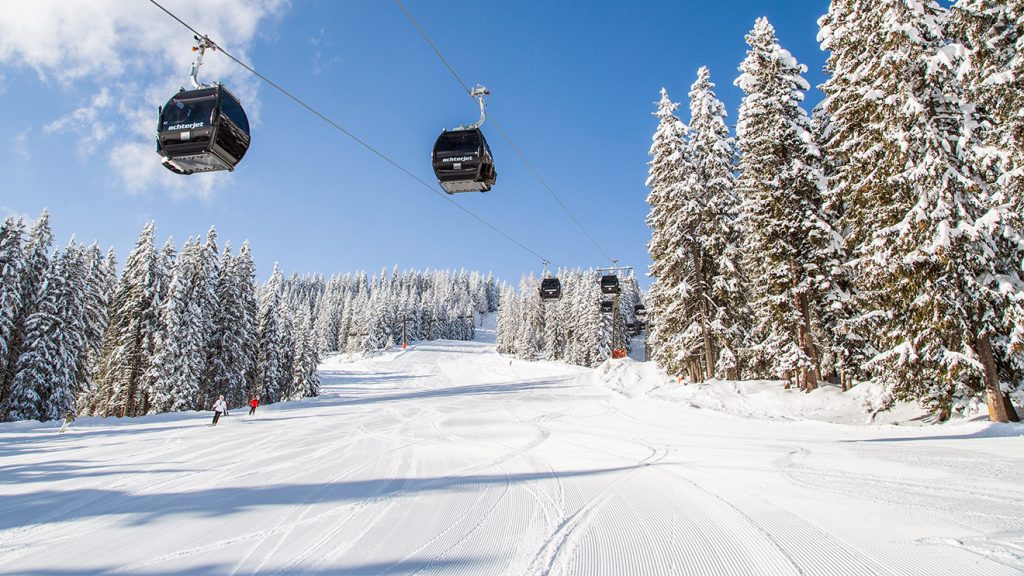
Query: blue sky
{"x": 573, "y": 85}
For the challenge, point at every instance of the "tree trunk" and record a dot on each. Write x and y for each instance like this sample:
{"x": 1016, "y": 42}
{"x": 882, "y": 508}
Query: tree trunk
{"x": 709, "y": 351}
{"x": 1000, "y": 409}
{"x": 807, "y": 343}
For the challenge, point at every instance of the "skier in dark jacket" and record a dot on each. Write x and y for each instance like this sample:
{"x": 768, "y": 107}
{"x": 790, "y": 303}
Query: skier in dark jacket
{"x": 253, "y": 404}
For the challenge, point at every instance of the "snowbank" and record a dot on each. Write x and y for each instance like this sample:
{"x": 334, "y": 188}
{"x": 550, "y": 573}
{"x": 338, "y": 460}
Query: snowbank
{"x": 765, "y": 399}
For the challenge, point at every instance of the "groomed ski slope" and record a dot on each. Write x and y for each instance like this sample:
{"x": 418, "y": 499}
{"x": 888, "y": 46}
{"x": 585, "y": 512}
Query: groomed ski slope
{"x": 448, "y": 459}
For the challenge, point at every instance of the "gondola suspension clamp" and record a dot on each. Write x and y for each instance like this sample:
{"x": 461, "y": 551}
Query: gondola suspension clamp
{"x": 479, "y": 92}
{"x": 201, "y": 45}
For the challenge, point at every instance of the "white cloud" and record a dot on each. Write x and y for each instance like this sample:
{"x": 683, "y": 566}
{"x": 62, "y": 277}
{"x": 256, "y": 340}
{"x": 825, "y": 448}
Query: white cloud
{"x": 8, "y": 211}
{"x": 3, "y": 84}
{"x": 133, "y": 56}
{"x": 19, "y": 146}
{"x": 87, "y": 122}
{"x": 320, "y": 63}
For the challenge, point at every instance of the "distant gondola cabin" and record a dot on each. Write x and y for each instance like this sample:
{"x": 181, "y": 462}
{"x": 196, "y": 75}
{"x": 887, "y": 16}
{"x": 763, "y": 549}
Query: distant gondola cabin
{"x": 610, "y": 284}
{"x": 550, "y": 289}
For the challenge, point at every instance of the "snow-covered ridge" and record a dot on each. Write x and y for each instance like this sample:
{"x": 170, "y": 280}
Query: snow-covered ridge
{"x": 765, "y": 399}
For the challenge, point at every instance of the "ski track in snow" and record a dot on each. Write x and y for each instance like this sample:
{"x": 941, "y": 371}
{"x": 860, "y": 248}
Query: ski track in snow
{"x": 448, "y": 459}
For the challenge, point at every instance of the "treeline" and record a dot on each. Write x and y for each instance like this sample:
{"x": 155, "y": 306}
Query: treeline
{"x": 571, "y": 328}
{"x": 174, "y": 332}
{"x": 879, "y": 238}
{"x": 356, "y": 313}
{"x": 178, "y": 329}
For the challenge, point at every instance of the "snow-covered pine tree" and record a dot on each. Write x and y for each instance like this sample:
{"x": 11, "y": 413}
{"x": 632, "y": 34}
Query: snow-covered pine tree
{"x": 98, "y": 286}
{"x": 530, "y": 341}
{"x": 507, "y": 324}
{"x": 713, "y": 154}
{"x": 670, "y": 168}
{"x": 131, "y": 333}
{"x": 790, "y": 245}
{"x": 45, "y": 383}
{"x": 106, "y": 283}
{"x": 180, "y": 361}
{"x": 223, "y": 348}
{"x": 35, "y": 267}
{"x": 12, "y": 258}
{"x": 993, "y": 75}
{"x": 243, "y": 275}
{"x": 844, "y": 347}
{"x": 167, "y": 260}
{"x": 992, "y": 72}
{"x": 273, "y": 371}
{"x": 929, "y": 270}
{"x": 327, "y": 318}
{"x": 43, "y": 363}
{"x": 205, "y": 294}
{"x": 305, "y": 381}
{"x": 175, "y": 372}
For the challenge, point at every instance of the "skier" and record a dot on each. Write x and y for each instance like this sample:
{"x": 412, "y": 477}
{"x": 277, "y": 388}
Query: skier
{"x": 68, "y": 419}
{"x": 253, "y": 404}
{"x": 219, "y": 407}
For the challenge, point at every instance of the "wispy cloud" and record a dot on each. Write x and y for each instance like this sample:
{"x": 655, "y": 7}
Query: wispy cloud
{"x": 19, "y": 146}
{"x": 320, "y": 64}
{"x": 8, "y": 211}
{"x": 3, "y": 84}
{"x": 132, "y": 57}
{"x": 87, "y": 122}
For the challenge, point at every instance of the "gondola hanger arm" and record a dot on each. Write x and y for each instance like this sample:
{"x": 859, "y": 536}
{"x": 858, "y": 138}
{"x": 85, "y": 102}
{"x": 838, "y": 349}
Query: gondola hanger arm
{"x": 201, "y": 45}
{"x": 479, "y": 92}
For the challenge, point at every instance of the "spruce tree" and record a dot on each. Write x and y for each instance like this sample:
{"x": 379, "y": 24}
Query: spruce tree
{"x": 45, "y": 384}
{"x": 670, "y": 169}
{"x": 993, "y": 75}
{"x": 244, "y": 277}
{"x": 931, "y": 263}
{"x": 131, "y": 333}
{"x": 790, "y": 245}
{"x": 34, "y": 269}
{"x": 273, "y": 372}
{"x": 713, "y": 154}
{"x": 12, "y": 259}
{"x": 43, "y": 364}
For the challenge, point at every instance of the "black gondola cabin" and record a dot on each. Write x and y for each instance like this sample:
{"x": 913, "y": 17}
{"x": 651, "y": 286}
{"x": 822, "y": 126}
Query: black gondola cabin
{"x": 550, "y": 289}
{"x": 639, "y": 310}
{"x": 610, "y": 284}
{"x": 606, "y": 306}
{"x": 463, "y": 162}
{"x": 202, "y": 130}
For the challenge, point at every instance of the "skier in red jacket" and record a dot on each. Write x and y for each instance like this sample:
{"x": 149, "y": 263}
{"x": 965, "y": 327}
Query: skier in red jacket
{"x": 253, "y": 404}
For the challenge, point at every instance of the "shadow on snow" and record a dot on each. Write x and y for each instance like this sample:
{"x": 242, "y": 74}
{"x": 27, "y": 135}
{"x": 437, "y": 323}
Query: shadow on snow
{"x": 218, "y": 502}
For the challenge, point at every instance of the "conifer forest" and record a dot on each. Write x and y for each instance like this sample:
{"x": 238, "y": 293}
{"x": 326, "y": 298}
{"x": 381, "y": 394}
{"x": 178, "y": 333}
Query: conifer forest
{"x": 876, "y": 237}
{"x": 179, "y": 328}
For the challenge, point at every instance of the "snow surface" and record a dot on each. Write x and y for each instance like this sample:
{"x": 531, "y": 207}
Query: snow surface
{"x": 448, "y": 458}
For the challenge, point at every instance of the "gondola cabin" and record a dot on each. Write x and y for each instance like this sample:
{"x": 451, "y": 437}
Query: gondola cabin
{"x": 550, "y": 289}
{"x": 606, "y": 306}
{"x": 610, "y": 284}
{"x": 463, "y": 162}
{"x": 639, "y": 310}
{"x": 203, "y": 130}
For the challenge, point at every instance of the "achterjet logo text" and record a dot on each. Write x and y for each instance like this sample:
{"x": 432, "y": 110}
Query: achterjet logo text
{"x": 459, "y": 159}
{"x": 187, "y": 126}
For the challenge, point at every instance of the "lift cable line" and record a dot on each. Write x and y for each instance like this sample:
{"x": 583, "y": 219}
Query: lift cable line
{"x": 504, "y": 135}
{"x": 341, "y": 129}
